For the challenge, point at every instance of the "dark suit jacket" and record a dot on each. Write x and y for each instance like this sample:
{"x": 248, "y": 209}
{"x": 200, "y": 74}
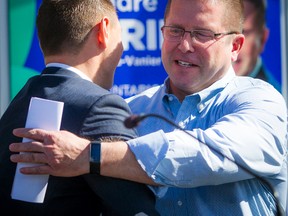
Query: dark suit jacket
{"x": 89, "y": 111}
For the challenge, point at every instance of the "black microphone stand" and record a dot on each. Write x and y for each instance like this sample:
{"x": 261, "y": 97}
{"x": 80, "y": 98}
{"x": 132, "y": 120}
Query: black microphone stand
{"x": 134, "y": 121}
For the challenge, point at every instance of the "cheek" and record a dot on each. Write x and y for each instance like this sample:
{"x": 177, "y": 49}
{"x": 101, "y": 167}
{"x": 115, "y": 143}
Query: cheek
{"x": 166, "y": 50}
{"x": 245, "y": 52}
{"x": 252, "y": 45}
{"x": 167, "y": 47}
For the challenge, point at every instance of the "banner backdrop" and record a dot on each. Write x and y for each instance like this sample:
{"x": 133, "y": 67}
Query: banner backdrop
{"x": 140, "y": 66}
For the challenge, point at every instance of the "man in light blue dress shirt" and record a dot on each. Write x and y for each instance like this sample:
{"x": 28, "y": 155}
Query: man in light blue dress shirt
{"x": 235, "y": 157}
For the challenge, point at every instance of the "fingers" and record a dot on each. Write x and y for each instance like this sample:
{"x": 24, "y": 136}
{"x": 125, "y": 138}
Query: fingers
{"x": 36, "y": 170}
{"x": 29, "y": 158}
{"x": 44, "y": 170}
{"x": 33, "y": 134}
{"x": 26, "y": 147}
{"x": 61, "y": 152}
{"x": 38, "y": 163}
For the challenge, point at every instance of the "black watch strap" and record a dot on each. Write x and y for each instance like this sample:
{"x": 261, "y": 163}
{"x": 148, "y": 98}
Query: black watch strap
{"x": 95, "y": 157}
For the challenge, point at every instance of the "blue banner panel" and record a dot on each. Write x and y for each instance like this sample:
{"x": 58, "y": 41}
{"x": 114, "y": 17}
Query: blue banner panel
{"x": 140, "y": 66}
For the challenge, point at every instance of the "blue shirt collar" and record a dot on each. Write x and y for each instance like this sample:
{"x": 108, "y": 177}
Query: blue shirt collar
{"x": 205, "y": 95}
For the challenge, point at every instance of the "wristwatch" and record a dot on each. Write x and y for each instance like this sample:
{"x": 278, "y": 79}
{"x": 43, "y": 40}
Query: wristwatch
{"x": 95, "y": 157}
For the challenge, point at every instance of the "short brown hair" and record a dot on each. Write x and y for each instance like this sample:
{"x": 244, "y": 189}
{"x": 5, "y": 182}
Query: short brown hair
{"x": 233, "y": 18}
{"x": 63, "y": 25}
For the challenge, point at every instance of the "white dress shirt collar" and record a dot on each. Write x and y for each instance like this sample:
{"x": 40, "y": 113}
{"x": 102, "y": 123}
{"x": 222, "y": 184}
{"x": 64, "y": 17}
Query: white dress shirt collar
{"x": 72, "y": 69}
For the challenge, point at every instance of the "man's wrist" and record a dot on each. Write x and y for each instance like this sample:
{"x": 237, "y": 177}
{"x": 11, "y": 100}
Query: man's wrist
{"x": 95, "y": 157}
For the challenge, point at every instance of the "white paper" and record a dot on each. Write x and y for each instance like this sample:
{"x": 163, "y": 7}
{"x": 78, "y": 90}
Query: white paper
{"x": 43, "y": 114}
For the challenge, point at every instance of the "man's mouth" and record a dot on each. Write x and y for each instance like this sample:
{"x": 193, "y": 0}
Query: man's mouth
{"x": 185, "y": 64}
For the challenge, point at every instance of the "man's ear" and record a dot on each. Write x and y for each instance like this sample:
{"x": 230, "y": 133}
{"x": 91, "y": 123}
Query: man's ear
{"x": 238, "y": 42}
{"x": 103, "y": 33}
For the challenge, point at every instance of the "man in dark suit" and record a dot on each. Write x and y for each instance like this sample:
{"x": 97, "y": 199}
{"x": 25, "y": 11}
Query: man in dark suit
{"x": 249, "y": 61}
{"x": 81, "y": 43}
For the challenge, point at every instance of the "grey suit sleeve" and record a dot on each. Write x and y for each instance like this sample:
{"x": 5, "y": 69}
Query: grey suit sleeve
{"x": 106, "y": 118}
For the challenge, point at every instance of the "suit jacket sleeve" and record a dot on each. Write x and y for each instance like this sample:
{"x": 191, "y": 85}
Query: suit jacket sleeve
{"x": 106, "y": 117}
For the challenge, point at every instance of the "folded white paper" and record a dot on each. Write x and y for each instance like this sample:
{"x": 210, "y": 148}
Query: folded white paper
{"x": 43, "y": 114}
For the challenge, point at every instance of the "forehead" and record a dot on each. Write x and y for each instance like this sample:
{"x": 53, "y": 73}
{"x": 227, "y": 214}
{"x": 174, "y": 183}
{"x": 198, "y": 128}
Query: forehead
{"x": 196, "y": 13}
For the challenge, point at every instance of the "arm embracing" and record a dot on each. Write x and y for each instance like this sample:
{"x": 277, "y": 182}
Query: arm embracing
{"x": 248, "y": 130}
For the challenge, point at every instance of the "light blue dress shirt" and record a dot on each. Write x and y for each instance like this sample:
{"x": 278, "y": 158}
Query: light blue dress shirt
{"x": 240, "y": 117}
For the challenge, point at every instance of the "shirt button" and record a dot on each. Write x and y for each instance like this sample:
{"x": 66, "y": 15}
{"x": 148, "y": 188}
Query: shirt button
{"x": 170, "y": 98}
{"x": 200, "y": 106}
{"x": 179, "y": 203}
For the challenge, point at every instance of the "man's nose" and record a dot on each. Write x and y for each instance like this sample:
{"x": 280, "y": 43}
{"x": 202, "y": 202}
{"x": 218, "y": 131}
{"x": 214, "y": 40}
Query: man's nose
{"x": 187, "y": 43}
